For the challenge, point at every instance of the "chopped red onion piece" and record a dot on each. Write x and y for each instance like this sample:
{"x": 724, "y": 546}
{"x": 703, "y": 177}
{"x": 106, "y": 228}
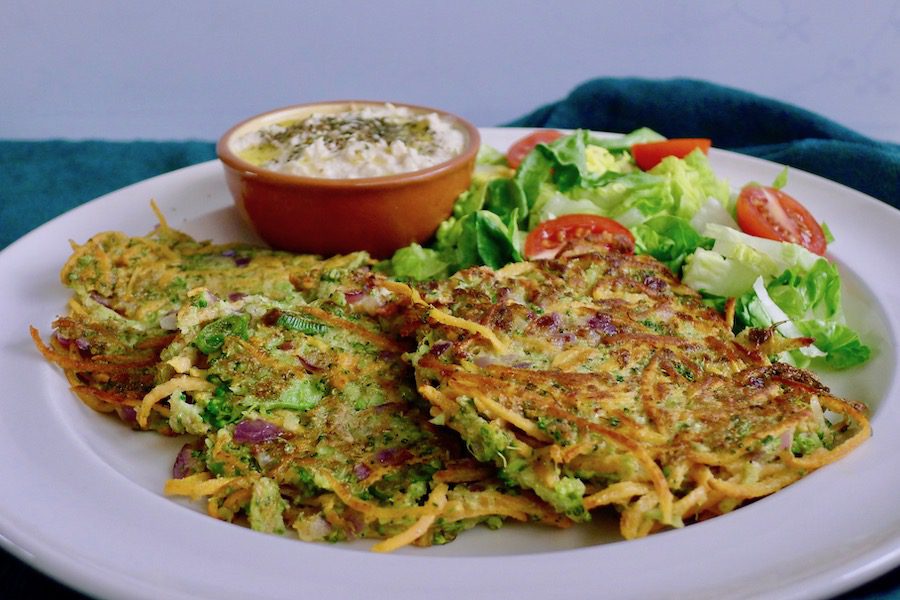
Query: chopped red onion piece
{"x": 63, "y": 341}
{"x": 100, "y": 299}
{"x": 561, "y": 340}
{"x": 271, "y": 317}
{"x": 602, "y": 323}
{"x": 388, "y": 355}
{"x": 756, "y": 382}
{"x": 354, "y": 296}
{"x": 186, "y": 463}
{"x": 390, "y": 406}
{"x": 255, "y": 431}
{"x": 440, "y": 347}
{"x": 393, "y": 456}
{"x": 787, "y": 439}
{"x": 484, "y": 361}
{"x": 511, "y": 360}
{"x": 84, "y": 346}
{"x": 654, "y": 283}
{"x": 361, "y": 471}
{"x": 355, "y": 520}
{"x": 308, "y": 365}
{"x": 128, "y": 414}
{"x": 235, "y": 296}
{"x": 550, "y": 321}
{"x": 242, "y": 261}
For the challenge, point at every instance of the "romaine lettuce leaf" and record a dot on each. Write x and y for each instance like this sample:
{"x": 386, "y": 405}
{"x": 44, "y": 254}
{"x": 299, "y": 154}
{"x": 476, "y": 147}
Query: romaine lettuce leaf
{"x": 675, "y": 187}
{"x": 811, "y": 301}
{"x": 668, "y": 239}
{"x": 691, "y": 181}
{"x": 712, "y": 211}
{"x": 796, "y": 290}
{"x": 488, "y": 155}
{"x": 737, "y": 259}
{"x": 711, "y": 273}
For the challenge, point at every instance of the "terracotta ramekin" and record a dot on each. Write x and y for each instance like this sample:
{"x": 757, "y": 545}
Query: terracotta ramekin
{"x": 338, "y": 216}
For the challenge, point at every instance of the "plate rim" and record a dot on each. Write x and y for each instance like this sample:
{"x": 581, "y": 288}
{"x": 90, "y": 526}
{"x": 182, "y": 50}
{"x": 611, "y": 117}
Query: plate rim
{"x": 74, "y": 571}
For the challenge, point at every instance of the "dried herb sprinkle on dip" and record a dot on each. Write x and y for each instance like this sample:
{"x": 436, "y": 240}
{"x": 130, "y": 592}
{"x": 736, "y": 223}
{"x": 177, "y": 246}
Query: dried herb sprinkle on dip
{"x": 369, "y": 141}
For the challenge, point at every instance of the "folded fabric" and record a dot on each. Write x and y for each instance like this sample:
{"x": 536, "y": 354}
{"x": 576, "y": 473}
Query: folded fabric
{"x": 42, "y": 179}
{"x": 734, "y": 120}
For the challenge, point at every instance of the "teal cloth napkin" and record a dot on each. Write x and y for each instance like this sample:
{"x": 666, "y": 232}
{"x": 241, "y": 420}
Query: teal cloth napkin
{"x": 42, "y": 179}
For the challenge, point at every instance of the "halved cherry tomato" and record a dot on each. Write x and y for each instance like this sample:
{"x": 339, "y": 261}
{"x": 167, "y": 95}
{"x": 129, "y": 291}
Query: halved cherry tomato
{"x": 770, "y": 213}
{"x": 520, "y": 149}
{"x": 651, "y": 154}
{"x": 547, "y": 239}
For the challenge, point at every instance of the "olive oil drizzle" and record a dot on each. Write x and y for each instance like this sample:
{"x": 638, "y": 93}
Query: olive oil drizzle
{"x": 339, "y": 131}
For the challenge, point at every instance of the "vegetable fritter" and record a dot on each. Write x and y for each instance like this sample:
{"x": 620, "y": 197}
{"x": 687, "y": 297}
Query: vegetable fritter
{"x": 600, "y": 379}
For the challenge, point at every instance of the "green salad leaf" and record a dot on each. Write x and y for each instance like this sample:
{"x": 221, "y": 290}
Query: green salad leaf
{"x": 418, "y": 264}
{"x": 482, "y": 238}
{"x": 811, "y": 301}
{"x": 675, "y": 187}
{"x": 488, "y": 155}
{"x": 737, "y": 259}
{"x": 669, "y": 239}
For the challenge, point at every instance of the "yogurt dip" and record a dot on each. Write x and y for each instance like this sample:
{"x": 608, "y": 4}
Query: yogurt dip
{"x": 369, "y": 141}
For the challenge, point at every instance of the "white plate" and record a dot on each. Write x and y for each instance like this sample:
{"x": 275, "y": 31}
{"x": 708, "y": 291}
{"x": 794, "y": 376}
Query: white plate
{"x": 81, "y": 495}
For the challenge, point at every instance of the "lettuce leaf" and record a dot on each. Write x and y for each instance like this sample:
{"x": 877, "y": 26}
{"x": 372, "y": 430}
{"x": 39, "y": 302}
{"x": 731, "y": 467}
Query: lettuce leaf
{"x": 811, "y": 300}
{"x": 506, "y": 199}
{"x": 568, "y": 163}
{"x": 737, "y": 259}
{"x": 690, "y": 182}
{"x": 675, "y": 187}
{"x": 488, "y": 155}
{"x": 418, "y": 264}
{"x": 482, "y": 238}
{"x": 669, "y": 239}
{"x": 841, "y": 344}
{"x": 796, "y": 290}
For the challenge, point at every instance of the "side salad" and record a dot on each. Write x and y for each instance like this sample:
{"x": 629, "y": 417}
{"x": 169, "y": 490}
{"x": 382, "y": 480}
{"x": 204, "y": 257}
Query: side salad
{"x": 757, "y": 252}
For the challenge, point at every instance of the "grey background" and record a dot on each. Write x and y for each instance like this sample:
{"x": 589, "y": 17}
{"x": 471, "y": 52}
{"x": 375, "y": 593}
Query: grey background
{"x": 187, "y": 70}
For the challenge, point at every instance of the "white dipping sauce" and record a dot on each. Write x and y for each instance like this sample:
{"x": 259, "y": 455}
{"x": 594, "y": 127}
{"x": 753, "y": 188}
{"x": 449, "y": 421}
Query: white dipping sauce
{"x": 370, "y": 141}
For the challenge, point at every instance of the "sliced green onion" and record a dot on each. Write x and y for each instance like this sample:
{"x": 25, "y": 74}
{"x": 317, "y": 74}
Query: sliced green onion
{"x": 301, "y": 323}
{"x": 213, "y": 335}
